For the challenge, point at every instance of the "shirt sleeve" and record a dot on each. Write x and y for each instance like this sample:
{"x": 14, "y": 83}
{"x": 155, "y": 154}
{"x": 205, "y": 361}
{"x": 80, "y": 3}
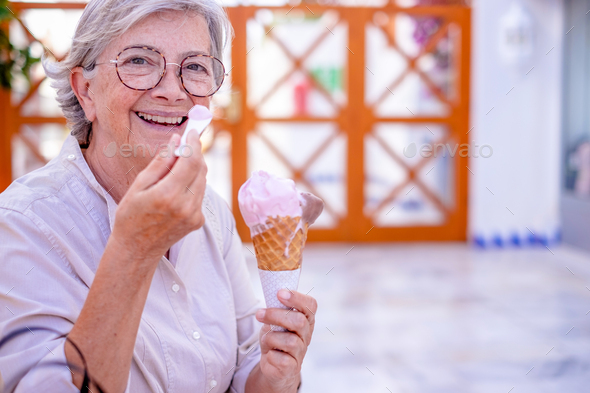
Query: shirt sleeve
{"x": 37, "y": 292}
{"x": 246, "y": 303}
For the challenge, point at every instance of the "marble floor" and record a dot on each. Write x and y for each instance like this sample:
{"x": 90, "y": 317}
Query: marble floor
{"x": 446, "y": 318}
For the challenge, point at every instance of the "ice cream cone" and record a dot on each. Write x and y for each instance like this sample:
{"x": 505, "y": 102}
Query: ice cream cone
{"x": 279, "y": 246}
{"x": 278, "y": 216}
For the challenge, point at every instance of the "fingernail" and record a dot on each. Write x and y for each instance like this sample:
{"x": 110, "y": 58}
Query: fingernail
{"x": 260, "y": 313}
{"x": 284, "y": 294}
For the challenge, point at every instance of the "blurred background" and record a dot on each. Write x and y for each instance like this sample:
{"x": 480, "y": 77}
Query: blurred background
{"x": 450, "y": 141}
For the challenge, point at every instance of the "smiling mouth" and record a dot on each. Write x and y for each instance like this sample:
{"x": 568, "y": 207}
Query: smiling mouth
{"x": 162, "y": 121}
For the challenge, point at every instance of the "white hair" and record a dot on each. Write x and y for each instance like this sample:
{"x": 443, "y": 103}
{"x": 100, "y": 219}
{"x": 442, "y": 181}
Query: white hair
{"x": 104, "y": 20}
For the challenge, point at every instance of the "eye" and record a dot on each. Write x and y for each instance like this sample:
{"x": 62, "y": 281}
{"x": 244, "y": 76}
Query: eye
{"x": 138, "y": 61}
{"x": 195, "y": 67}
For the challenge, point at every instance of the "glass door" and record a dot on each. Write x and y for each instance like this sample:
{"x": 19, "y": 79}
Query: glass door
{"x": 365, "y": 107}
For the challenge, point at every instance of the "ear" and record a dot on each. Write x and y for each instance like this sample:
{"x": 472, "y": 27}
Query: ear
{"x": 81, "y": 87}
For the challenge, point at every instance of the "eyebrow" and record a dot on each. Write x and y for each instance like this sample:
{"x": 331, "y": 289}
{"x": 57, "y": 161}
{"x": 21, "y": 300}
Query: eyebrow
{"x": 182, "y": 55}
{"x": 193, "y": 52}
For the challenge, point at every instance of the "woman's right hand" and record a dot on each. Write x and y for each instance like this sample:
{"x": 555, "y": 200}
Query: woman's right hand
{"x": 164, "y": 202}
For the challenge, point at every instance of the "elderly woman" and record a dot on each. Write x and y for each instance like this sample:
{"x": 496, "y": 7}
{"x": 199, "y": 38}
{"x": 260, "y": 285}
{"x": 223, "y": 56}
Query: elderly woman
{"x": 119, "y": 261}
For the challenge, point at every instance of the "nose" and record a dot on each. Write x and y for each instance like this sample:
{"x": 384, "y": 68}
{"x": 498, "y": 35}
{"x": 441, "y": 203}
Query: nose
{"x": 170, "y": 87}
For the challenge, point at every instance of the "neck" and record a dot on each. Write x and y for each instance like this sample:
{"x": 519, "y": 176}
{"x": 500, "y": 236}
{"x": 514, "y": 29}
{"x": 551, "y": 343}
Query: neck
{"x": 115, "y": 174}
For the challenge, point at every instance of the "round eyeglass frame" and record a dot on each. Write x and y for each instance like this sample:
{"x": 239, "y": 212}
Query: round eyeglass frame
{"x": 116, "y": 61}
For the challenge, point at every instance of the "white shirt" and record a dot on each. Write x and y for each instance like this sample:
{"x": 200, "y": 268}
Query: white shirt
{"x": 197, "y": 333}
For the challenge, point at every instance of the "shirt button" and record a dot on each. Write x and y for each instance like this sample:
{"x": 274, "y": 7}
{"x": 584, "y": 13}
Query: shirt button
{"x": 213, "y": 383}
{"x": 176, "y": 287}
{"x": 196, "y": 336}
{"x": 71, "y": 157}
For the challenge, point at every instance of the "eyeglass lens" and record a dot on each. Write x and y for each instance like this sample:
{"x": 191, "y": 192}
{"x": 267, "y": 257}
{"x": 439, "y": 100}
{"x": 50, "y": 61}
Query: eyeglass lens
{"x": 142, "y": 69}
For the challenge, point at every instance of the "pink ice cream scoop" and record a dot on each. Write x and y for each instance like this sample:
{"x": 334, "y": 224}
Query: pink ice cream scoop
{"x": 199, "y": 118}
{"x": 265, "y": 195}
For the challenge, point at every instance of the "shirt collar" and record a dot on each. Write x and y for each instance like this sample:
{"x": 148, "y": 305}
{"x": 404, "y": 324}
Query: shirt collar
{"x": 72, "y": 159}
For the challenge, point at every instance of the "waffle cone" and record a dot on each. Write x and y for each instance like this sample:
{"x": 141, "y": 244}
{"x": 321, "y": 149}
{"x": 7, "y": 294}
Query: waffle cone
{"x": 271, "y": 244}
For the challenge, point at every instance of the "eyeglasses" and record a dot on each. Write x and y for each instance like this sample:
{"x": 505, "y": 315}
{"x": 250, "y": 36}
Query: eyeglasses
{"x": 143, "y": 68}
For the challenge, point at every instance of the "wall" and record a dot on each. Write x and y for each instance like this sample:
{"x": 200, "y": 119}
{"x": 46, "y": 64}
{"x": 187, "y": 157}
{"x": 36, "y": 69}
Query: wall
{"x": 515, "y": 193}
{"x": 575, "y": 198}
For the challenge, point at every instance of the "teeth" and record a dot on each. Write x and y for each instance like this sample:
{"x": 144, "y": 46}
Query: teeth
{"x": 161, "y": 119}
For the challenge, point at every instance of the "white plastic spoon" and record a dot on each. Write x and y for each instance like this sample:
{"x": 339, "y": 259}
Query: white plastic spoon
{"x": 199, "y": 118}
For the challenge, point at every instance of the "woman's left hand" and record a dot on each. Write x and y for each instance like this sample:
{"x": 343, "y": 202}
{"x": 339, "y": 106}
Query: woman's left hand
{"x": 283, "y": 352}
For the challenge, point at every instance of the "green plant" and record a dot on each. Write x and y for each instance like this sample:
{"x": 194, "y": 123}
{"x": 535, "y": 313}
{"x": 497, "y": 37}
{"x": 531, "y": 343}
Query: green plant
{"x": 12, "y": 60}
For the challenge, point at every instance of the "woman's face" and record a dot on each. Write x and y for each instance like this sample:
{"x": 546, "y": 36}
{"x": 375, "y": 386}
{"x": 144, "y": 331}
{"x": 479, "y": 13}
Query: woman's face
{"x": 117, "y": 108}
